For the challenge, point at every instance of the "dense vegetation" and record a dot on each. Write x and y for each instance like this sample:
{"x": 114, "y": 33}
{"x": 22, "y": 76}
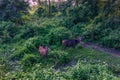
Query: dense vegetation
{"x": 24, "y": 28}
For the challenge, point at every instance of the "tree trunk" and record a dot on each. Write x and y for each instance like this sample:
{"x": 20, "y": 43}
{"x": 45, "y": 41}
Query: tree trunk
{"x": 39, "y": 1}
{"x": 76, "y": 3}
{"x": 49, "y": 8}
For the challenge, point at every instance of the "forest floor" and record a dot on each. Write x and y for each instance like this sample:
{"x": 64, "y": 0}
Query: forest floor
{"x": 113, "y": 52}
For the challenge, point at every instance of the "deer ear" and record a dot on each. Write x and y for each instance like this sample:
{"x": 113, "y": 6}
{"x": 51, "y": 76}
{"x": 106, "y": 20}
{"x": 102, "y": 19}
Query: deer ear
{"x": 80, "y": 38}
{"x": 47, "y": 46}
{"x": 40, "y": 47}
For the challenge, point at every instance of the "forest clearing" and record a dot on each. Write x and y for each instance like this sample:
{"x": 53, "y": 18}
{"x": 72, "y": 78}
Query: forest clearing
{"x": 59, "y": 39}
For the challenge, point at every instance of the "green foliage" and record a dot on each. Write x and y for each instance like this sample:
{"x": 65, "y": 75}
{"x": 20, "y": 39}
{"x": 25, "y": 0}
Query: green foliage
{"x": 67, "y": 22}
{"x": 50, "y": 23}
{"x": 80, "y": 71}
{"x": 19, "y": 53}
{"x": 13, "y": 10}
{"x": 103, "y": 31}
{"x": 28, "y": 60}
{"x": 77, "y": 15}
{"x": 81, "y": 13}
{"x": 56, "y": 35}
{"x": 28, "y": 31}
{"x": 60, "y": 57}
{"x": 2, "y": 68}
{"x": 36, "y": 41}
{"x": 37, "y": 72}
{"x": 7, "y": 31}
{"x": 41, "y": 12}
{"x": 26, "y": 18}
{"x": 30, "y": 45}
{"x": 78, "y": 29}
{"x": 93, "y": 30}
{"x": 91, "y": 72}
{"x": 32, "y": 29}
{"x": 112, "y": 40}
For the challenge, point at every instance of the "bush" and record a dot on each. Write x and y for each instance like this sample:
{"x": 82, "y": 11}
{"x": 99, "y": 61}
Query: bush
{"x": 30, "y": 45}
{"x": 29, "y": 60}
{"x": 76, "y": 15}
{"x": 33, "y": 43}
{"x": 112, "y": 40}
{"x": 60, "y": 57}
{"x": 37, "y": 28}
{"x": 78, "y": 29}
{"x": 19, "y": 53}
{"x": 32, "y": 29}
{"x": 78, "y": 72}
{"x": 80, "y": 14}
{"x": 28, "y": 30}
{"x": 41, "y": 12}
{"x": 9, "y": 11}
{"x": 103, "y": 31}
{"x": 91, "y": 72}
{"x": 7, "y": 31}
{"x": 68, "y": 22}
{"x": 93, "y": 31}
{"x": 26, "y": 18}
{"x": 38, "y": 72}
{"x": 56, "y": 35}
{"x": 2, "y": 68}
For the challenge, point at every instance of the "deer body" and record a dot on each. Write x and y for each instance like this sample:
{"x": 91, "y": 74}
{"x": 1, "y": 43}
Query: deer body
{"x": 70, "y": 42}
{"x": 43, "y": 51}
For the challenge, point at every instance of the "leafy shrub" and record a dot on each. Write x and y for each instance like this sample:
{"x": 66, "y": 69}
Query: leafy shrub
{"x": 26, "y": 18}
{"x": 68, "y": 22}
{"x": 78, "y": 29}
{"x": 103, "y": 31}
{"x": 50, "y": 23}
{"x": 59, "y": 56}
{"x": 2, "y": 68}
{"x": 37, "y": 72}
{"x": 41, "y": 12}
{"x": 31, "y": 29}
{"x": 56, "y": 35}
{"x": 19, "y": 53}
{"x": 28, "y": 31}
{"x": 11, "y": 11}
{"x": 7, "y": 31}
{"x": 91, "y": 72}
{"x": 81, "y": 13}
{"x": 28, "y": 60}
{"x": 79, "y": 46}
{"x": 93, "y": 31}
{"x": 77, "y": 15}
{"x": 112, "y": 40}
{"x": 37, "y": 41}
{"x": 78, "y": 72}
{"x": 29, "y": 46}
{"x": 36, "y": 29}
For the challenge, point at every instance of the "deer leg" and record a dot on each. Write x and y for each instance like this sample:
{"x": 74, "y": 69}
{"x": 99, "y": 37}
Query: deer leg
{"x": 73, "y": 46}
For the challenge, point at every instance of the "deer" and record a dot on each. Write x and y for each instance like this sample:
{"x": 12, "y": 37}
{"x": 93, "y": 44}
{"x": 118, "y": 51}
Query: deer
{"x": 71, "y": 42}
{"x": 43, "y": 50}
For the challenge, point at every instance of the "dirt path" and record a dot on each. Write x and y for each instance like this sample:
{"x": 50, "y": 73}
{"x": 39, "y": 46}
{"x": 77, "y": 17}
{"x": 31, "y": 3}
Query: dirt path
{"x": 107, "y": 50}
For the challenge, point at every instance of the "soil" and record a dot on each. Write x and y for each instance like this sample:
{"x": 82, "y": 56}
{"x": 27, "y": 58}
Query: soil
{"x": 99, "y": 48}
{"x": 113, "y": 52}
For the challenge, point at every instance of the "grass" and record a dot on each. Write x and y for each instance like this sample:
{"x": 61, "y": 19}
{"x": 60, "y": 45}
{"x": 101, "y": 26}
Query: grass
{"x": 89, "y": 55}
{"x": 84, "y": 55}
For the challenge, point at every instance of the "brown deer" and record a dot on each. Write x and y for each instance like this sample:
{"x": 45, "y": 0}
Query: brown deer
{"x": 71, "y": 42}
{"x": 43, "y": 50}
